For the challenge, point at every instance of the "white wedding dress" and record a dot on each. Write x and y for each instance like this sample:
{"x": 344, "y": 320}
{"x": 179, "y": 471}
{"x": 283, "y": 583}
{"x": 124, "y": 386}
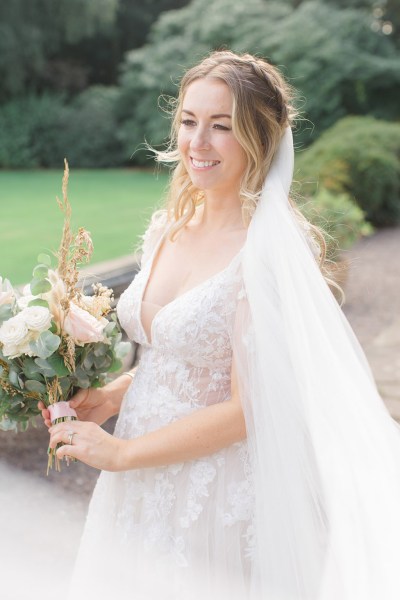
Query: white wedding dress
{"x": 187, "y": 528}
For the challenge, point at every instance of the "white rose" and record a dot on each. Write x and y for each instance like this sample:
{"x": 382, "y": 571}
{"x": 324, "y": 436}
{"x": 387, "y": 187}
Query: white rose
{"x": 13, "y": 331}
{"x": 23, "y": 301}
{"x": 37, "y": 318}
{"x": 11, "y": 351}
{"x": 6, "y": 292}
{"x": 15, "y": 351}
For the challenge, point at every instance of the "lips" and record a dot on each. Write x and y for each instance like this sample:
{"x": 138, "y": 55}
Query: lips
{"x": 203, "y": 164}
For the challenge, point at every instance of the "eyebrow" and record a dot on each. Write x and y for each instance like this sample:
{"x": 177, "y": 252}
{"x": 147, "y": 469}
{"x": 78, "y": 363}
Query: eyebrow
{"x": 218, "y": 116}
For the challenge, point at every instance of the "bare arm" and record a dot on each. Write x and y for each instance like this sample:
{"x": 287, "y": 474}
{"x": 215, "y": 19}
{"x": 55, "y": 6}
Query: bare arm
{"x": 199, "y": 434}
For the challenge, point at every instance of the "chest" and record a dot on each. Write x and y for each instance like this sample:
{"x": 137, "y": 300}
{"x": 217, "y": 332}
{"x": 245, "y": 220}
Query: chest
{"x": 184, "y": 264}
{"x": 197, "y": 326}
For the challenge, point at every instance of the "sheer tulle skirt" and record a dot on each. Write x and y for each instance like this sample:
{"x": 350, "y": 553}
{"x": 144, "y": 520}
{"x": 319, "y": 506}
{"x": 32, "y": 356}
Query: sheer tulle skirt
{"x": 180, "y": 531}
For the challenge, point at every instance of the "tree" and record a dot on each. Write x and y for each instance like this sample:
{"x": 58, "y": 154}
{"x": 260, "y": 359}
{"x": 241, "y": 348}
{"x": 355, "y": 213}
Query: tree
{"x": 337, "y": 62}
{"x": 33, "y": 31}
{"x": 70, "y": 44}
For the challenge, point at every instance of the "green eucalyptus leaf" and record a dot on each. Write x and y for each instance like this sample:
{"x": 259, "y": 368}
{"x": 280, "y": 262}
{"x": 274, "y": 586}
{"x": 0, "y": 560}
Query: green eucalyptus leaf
{"x": 116, "y": 365}
{"x": 83, "y": 383}
{"x": 110, "y": 328}
{"x": 82, "y": 378}
{"x": 17, "y": 401}
{"x": 46, "y": 344}
{"x": 45, "y": 369}
{"x": 40, "y": 272}
{"x": 45, "y": 259}
{"x": 100, "y": 362}
{"x": 24, "y": 425}
{"x": 35, "y": 386}
{"x": 100, "y": 349}
{"x": 7, "y": 424}
{"x": 38, "y": 302}
{"x": 40, "y": 286}
{"x": 57, "y": 364}
{"x": 122, "y": 349}
{"x": 13, "y": 377}
{"x": 30, "y": 369}
{"x": 88, "y": 362}
{"x": 65, "y": 384}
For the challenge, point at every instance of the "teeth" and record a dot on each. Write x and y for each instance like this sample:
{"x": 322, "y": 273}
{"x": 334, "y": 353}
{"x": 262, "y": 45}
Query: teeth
{"x": 204, "y": 163}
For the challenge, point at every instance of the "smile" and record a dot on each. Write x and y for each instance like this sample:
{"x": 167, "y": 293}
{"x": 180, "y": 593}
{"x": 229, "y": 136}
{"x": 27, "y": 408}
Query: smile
{"x": 203, "y": 164}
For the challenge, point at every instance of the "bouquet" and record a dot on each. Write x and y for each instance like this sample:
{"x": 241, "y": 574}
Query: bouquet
{"x": 55, "y": 339}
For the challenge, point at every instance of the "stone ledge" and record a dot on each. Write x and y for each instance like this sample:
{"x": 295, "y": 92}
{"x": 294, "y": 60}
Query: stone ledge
{"x": 116, "y": 274}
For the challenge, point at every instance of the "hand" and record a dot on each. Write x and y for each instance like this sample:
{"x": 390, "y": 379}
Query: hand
{"x": 90, "y": 404}
{"x": 90, "y": 444}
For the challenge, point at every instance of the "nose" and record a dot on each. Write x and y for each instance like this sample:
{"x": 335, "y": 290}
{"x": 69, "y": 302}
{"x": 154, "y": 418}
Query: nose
{"x": 200, "y": 139}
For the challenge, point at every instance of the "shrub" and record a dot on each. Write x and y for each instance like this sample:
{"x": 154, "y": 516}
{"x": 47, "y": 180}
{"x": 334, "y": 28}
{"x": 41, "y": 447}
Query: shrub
{"x": 339, "y": 217}
{"x": 30, "y": 131}
{"x": 91, "y": 138}
{"x": 39, "y": 131}
{"x": 358, "y": 156}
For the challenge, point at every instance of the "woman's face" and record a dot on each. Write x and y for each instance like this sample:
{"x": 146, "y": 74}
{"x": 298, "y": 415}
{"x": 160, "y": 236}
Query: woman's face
{"x": 212, "y": 155}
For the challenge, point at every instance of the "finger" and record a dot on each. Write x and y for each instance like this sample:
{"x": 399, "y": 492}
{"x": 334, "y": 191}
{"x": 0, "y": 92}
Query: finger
{"x": 62, "y": 436}
{"x": 58, "y": 438}
{"x": 79, "y": 398}
{"x": 45, "y": 414}
{"x": 68, "y": 426}
{"x": 67, "y": 450}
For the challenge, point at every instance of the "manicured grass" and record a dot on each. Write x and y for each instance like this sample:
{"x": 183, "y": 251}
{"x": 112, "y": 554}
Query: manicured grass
{"x": 114, "y": 205}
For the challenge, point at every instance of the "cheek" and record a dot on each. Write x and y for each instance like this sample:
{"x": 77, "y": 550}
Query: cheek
{"x": 238, "y": 156}
{"x": 183, "y": 141}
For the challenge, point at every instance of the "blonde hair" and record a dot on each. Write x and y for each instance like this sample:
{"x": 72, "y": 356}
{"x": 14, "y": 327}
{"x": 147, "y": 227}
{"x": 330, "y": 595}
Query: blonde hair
{"x": 262, "y": 109}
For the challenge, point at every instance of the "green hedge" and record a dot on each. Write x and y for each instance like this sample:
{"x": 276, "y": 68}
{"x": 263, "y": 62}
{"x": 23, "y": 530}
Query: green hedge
{"x": 39, "y": 131}
{"x": 339, "y": 217}
{"x": 358, "y": 156}
{"x": 30, "y": 131}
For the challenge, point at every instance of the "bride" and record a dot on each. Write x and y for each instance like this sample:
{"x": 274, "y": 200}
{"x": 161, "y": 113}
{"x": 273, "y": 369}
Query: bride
{"x": 253, "y": 457}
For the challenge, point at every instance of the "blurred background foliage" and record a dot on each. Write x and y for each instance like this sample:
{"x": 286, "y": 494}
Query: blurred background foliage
{"x": 84, "y": 79}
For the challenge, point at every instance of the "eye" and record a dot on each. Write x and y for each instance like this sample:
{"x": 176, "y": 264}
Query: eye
{"x": 221, "y": 127}
{"x": 188, "y": 122}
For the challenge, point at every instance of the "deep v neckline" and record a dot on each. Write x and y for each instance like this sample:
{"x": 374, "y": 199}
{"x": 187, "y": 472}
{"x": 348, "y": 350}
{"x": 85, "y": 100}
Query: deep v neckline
{"x": 149, "y": 266}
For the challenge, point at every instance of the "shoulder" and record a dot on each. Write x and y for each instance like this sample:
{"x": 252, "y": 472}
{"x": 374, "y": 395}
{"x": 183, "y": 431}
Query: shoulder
{"x": 155, "y": 229}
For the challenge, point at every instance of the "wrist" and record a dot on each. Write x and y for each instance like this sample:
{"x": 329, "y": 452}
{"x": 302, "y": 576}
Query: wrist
{"x": 123, "y": 460}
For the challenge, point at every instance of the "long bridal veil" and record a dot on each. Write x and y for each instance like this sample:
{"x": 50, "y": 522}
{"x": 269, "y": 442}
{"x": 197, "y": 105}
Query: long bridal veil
{"x": 324, "y": 450}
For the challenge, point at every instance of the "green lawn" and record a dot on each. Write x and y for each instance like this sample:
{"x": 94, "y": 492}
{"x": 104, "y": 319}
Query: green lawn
{"x": 114, "y": 205}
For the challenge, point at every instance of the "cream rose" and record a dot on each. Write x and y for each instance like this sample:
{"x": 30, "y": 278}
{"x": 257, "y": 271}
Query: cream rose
{"x": 13, "y": 331}
{"x": 82, "y": 326}
{"x": 6, "y": 292}
{"x": 37, "y": 318}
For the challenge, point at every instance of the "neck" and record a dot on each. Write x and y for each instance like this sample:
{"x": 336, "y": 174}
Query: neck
{"x": 217, "y": 213}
